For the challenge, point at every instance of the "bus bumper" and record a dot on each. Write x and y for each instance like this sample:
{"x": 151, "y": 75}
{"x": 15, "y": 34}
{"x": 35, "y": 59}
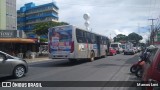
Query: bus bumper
{"x": 54, "y": 56}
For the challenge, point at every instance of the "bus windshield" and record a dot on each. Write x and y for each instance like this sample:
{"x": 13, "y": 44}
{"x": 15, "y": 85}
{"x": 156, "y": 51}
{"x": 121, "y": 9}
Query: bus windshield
{"x": 60, "y": 39}
{"x": 60, "y": 34}
{"x": 63, "y": 36}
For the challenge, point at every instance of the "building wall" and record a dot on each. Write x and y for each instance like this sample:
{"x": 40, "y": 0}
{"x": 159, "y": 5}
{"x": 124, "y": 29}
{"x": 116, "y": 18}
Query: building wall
{"x": 2, "y": 14}
{"x": 8, "y": 15}
{"x": 11, "y": 19}
{"x": 29, "y": 15}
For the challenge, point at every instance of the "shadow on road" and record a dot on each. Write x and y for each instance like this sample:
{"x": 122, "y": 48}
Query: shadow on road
{"x": 61, "y": 63}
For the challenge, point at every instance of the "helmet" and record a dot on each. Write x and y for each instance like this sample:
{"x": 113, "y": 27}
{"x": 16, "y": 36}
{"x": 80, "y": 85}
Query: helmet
{"x": 151, "y": 47}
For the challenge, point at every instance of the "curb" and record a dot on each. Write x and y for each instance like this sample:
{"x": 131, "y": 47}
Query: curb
{"x": 36, "y": 60}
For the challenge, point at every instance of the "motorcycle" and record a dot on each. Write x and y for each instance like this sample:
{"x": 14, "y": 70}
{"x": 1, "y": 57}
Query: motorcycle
{"x": 135, "y": 66}
{"x": 144, "y": 59}
{"x": 139, "y": 71}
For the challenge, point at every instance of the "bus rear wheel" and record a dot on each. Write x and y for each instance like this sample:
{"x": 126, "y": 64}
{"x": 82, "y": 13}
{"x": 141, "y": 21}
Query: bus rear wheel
{"x": 92, "y": 57}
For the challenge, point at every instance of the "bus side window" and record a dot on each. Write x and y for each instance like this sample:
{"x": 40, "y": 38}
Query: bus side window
{"x": 105, "y": 41}
{"x": 79, "y": 39}
{"x": 93, "y": 39}
{"x": 79, "y": 33}
{"x": 79, "y": 36}
{"x": 102, "y": 40}
{"x": 89, "y": 37}
{"x": 85, "y": 37}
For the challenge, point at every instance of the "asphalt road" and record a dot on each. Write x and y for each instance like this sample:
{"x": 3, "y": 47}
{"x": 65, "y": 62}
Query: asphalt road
{"x": 111, "y": 68}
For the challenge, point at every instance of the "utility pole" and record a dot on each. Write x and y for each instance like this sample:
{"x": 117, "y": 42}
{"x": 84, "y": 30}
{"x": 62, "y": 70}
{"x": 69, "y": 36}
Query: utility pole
{"x": 152, "y": 31}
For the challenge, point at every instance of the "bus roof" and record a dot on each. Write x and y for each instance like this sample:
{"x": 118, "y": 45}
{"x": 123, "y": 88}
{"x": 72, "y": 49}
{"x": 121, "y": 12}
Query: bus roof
{"x": 78, "y": 28}
{"x": 60, "y": 26}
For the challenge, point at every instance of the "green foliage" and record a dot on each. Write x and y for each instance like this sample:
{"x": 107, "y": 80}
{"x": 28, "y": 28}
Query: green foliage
{"x": 43, "y": 40}
{"x": 134, "y": 38}
{"x": 42, "y": 28}
{"x": 120, "y": 37}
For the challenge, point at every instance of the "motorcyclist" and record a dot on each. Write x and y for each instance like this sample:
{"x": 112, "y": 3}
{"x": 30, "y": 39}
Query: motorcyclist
{"x": 145, "y": 55}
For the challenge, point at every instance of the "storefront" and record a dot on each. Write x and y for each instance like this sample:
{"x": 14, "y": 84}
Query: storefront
{"x": 17, "y": 46}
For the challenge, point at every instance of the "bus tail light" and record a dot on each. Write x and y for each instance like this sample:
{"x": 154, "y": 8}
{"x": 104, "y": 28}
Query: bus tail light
{"x": 72, "y": 46}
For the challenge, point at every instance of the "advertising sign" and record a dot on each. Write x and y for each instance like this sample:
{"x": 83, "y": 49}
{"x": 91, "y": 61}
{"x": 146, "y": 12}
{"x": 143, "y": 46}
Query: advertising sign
{"x": 8, "y": 33}
{"x": 60, "y": 40}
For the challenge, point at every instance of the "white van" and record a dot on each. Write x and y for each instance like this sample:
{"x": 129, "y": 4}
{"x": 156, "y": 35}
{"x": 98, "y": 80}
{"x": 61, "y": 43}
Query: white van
{"x": 117, "y": 46}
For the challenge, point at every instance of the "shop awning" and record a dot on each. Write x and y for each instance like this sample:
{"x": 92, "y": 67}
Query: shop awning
{"x": 16, "y": 40}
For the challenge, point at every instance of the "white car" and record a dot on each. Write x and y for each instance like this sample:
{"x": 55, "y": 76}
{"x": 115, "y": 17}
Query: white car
{"x": 135, "y": 49}
{"x": 139, "y": 49}
{"x": 129, "y": 51}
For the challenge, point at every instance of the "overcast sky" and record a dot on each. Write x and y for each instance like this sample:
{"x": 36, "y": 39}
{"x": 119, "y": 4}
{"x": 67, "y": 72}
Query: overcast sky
{"x": 107, "y": 17}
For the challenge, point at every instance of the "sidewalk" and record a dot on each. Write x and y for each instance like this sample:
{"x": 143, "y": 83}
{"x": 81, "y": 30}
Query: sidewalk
{"x": 37, "y": 59}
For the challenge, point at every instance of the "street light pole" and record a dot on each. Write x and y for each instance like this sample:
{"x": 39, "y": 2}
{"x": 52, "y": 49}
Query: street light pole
{"x": 86, "y": 18}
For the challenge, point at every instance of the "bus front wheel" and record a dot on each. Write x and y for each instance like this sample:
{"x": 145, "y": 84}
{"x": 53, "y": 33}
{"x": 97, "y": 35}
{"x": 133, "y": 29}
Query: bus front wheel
{"x": 92, "y": 57}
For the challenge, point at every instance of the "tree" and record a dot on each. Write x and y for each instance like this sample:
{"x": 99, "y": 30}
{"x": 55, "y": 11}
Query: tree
{"x": 134, "y": 38}
{"x": 42, "y": 28}
{"x": 120, "y": 37}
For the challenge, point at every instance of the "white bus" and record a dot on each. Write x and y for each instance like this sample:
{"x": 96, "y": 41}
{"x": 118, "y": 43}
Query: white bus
{"x": 73, "y": 43}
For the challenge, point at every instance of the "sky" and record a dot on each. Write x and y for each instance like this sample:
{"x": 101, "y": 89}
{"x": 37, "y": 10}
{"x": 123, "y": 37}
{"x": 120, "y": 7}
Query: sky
{"x": 107, "y": 17}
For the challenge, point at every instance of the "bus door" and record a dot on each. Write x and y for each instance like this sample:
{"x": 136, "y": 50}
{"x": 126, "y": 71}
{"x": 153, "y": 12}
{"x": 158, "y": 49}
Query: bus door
{"x": 98, "y": 45}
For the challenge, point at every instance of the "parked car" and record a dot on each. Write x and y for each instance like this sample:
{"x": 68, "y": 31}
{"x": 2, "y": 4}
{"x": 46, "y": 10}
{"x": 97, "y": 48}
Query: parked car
{"x": 139, "y": 49}
{"x": 151, "y": 71}
{"x": 12, "y": 66}
{"x": 135, "y": 49}
{"x": 129, "y": 51}
{"x": 112, "y": 51}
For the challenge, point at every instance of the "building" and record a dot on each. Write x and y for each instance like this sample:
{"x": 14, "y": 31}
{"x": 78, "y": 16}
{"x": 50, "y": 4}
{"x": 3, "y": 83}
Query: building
{"x": 8, "y": 15}
{"x": 30, "y": 14}
{"x": 13, "y": 41}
